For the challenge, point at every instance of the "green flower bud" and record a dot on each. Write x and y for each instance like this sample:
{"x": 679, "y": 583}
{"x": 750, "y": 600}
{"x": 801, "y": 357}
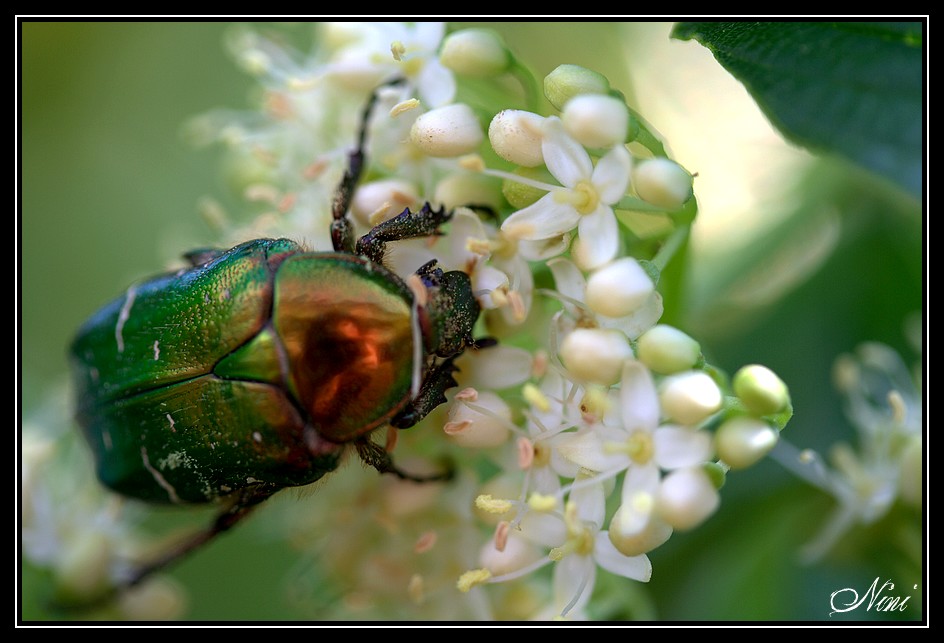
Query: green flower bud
{"x": 666, "y": 350}
{"x": 761, "y": 391}
{"x": 568, "y": 81}
{"x": 478, "y": 53}
{"x": 662, "y": 182}
{"x": 469, "y": 188}
{"x": 520, "y": 195}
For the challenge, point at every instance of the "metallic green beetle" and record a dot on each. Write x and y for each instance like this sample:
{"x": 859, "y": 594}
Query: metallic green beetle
{"x": 252, "y": 370}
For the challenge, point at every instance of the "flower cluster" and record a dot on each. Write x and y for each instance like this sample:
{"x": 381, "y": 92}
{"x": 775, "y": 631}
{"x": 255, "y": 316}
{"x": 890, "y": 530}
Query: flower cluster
{"x": 883, "y": 403}
{"x": 589, "y": 432}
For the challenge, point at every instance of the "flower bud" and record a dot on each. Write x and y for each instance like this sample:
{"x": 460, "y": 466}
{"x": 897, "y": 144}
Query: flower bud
{"x": 596, "y": 120}
{"x": 666, "y": 350}
{"x": 619, "y": 288}
{"x": 686, "y": 498}
{"x": 662, "y": 182}
{"x": 595, "y": 354}
{"x": 761, "y": 391}
{"x": 742, "y": 441}
{"x": 520, "y": 195}
{"x": 636, "y": 529}
{"x": 477, "y": 53}
{"x": 83, "y": 567}
{"x": 378, "y": 201}
{"x": 478, "y": 420}
{"x": 159, "y": 599}
{"x": 689, "y": 398}
{"x": 568, "y": 81}
{"x": 464, "y": 188}
{"x": 452, "y": 130}
{"x": 516, "y": 136}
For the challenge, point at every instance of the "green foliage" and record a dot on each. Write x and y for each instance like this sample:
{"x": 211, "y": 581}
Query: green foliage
{"x": 851, "y": 88}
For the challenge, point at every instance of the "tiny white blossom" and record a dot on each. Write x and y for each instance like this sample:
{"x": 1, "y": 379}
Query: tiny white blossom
{"x": 572, "y": 286}
{"x": 584, "y": 199}
{"x": 642, "y": 448}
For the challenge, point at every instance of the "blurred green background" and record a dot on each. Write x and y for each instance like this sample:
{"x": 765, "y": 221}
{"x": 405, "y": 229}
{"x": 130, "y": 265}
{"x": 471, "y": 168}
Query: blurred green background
{"x": 110, "y": 192}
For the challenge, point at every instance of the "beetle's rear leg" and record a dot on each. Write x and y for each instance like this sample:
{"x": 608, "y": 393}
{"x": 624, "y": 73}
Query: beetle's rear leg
{"x": 243, "y": 503}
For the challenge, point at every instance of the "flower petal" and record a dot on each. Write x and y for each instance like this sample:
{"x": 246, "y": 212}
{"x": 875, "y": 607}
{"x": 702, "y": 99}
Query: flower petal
{"x": 542, "y": 249}
{"x": 599, "y": 237}
{"x": 609, "y": 558}
{"x": 591, "y": 504}
{"x": 640, "y": 321}
{"x": 640, "y": 479}
{"x": 435, "y": 84}
{"x": 545, "y": 218}
{"x": 564, "y": 157}
{"x": 639, "y": 400}
{"x": 586, "y": 449}
{"x": 611, "y": 174}
{"x": 496, "y": 367}
{"x": 574, "y": 577}
{"x": 569, "y": 280}
{"x": 678, "y": 446}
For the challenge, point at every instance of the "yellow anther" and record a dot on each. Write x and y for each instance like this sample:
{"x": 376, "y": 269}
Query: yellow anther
{"x": 397, "y": 48}
{"x": 404, "y": 106}
{"x": 486, "y": 502}
{"x": 541, "y": 502}
{"x": 471, "y": 578}
{"x": 535, "y": 397}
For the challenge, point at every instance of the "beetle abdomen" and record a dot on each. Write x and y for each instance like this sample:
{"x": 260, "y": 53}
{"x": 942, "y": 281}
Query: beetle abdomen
{"x": 198, "y": 440}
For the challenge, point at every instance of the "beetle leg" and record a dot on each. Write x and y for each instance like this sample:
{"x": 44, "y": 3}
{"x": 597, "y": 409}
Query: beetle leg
{"x": 406, "y": 225}
{"x": 245, "y": 501}
{"x": 432, "y": 394}
{"x": 374, "y": 455}
{"x": 342, "y": 233}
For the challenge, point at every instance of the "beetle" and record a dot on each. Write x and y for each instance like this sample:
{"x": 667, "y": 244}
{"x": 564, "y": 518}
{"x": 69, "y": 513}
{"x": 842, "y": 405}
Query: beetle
{"x": 253, "y": 369}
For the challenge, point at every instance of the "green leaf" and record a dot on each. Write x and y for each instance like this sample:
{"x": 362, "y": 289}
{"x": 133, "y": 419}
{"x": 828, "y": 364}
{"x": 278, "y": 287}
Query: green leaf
{"x": 851, "y": 88}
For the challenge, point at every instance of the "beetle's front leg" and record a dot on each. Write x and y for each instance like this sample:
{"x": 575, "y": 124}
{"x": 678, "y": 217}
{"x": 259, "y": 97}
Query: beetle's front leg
{"x": 432, "y": 393}
{"x": 342, "y": 232}
{"x": 407, "y": 225}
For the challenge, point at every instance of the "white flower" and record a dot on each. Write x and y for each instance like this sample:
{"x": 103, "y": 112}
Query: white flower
{"x": 572, "y": 286}
{"x": 586, "y": 547}
{"x": 374, "y": 51}
{"x": 584, "y": 202}
{"x": 885, "y": 407}
{"x": 640, "y": 446}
